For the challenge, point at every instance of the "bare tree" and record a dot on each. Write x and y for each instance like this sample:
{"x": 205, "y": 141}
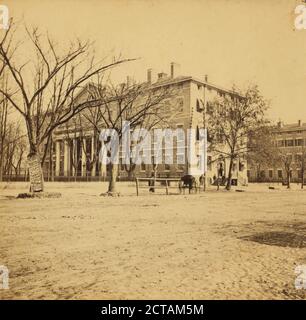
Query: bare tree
{"x": 12, "y": 146}
{"x": 130, "y": 168}
{"x": 301, "y": 161}
{"x": 3, "y": 123}
{"x": 74, "y": 137}
{"x": 285, "y": 160}
{"x": 136, "y": 103}
{"x": 91, "y": 120}
{"x": 233, "y": 118}
{"x": 13, "y": 149}
{"x": 264, "y": 152}
{"x": 48, "y": 99}
{"x": 262, "y": 148}
{"x": 19, "y": 154}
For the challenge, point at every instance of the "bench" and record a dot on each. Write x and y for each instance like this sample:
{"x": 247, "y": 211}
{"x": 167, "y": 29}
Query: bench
{"x": 165, "y": 184}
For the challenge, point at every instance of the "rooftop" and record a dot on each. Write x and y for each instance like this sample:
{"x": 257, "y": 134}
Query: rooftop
{"x": 291, "y": 127}
{"x": 169, "y": 80}
{"x": 175, "y": 77}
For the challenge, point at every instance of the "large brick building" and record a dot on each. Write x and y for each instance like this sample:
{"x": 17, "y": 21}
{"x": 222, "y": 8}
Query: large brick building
{"x": 190, "y": 104}
{"x": 291, "y": 139}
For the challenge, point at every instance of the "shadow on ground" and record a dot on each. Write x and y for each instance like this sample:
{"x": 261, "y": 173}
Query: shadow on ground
{"x": 273, "y": 233}
{"x": 278, "y": 238}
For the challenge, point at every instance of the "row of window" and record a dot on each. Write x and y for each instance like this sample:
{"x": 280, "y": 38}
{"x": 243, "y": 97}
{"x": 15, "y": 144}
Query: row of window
{"x": 291, "y": 142}
{"x": 296, "y": 158}
{"x": 280, "y": 174}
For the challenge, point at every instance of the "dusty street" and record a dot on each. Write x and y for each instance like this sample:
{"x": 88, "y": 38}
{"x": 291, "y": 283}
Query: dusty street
{"x": 213, "y": 245}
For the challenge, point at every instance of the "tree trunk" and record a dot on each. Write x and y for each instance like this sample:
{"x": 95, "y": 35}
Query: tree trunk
{"x": 229, "y": 177}
{"x": 204, "y": 181}
{"x": 154, "y": 176}
{"x": 113, "y": 179}
{"x": 35, "y": 172}
{"x": 51, "y": 172}
{"x": 288, "y": 179}
{"x": 34, "y": 162}
{"x": 130, "y": 170}
{"x": 218, "y": 182}
{"x": 130, "y": 175}
{"x": 302, "y": 174}
{"x": 1, "y": 167}
{"x": 258, "y": 173}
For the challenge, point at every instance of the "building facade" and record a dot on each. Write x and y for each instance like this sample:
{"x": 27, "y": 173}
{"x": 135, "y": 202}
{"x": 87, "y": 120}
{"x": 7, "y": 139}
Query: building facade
{"x": 190, "y": 107}
{"x": 291, "y": 140}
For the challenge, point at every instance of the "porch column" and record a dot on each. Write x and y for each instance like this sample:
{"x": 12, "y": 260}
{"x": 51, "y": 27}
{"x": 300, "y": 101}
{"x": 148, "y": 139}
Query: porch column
{"x": 66, "y": 159}
{"x": 57, "y": 157}
{"x": 84, "y": 158}
{"x": 93, "y": 151}
{"x": 73, "y": 160}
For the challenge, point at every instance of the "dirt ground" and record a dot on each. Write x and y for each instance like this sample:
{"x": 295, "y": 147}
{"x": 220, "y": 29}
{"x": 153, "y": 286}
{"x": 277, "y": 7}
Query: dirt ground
{"x": 213, "y": 245}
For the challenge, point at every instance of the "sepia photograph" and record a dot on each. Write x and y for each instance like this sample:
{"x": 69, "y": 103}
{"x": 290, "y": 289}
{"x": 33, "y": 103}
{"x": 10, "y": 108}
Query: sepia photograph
{"x": 152, "y": 150}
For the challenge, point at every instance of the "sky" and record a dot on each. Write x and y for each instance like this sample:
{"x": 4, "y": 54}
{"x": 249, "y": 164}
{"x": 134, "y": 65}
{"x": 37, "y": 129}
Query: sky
{"x": 238, "y": 42}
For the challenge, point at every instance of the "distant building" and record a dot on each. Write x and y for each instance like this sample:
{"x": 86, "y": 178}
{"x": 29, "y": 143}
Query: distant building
{"x": 291, "y": 138}
{"x": 191, "y": 105}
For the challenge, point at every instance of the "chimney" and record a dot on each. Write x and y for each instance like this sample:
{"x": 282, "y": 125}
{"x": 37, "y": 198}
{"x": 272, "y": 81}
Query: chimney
{"x": 299, "y": 123}
{"x": 149, "y": 76}
{"x": 206, "y": 78}
{"x": 175, "y": 69}
{"x": 279, "y": 124}
{"x": 128, "y": 81}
